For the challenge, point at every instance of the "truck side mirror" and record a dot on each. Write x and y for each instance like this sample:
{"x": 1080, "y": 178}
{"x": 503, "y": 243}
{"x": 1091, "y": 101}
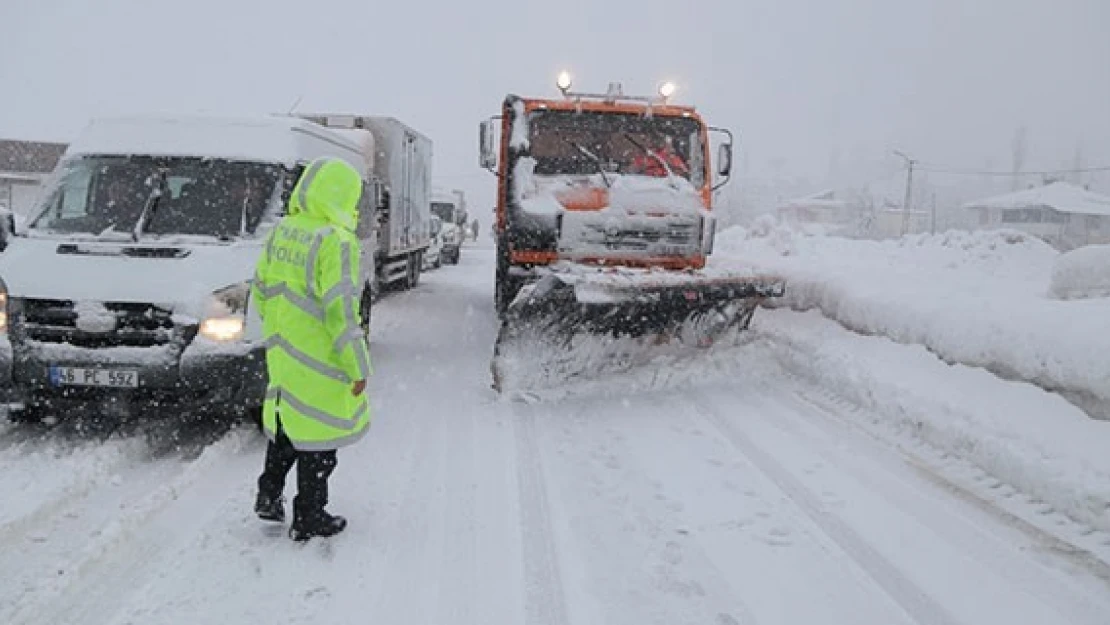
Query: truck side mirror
{"x": 724, "y": 160}
{"x": 724, "y": 156}
{"x": 489, "y": 153}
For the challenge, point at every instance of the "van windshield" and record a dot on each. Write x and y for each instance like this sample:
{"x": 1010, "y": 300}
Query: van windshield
{"x": 150, "y": 196}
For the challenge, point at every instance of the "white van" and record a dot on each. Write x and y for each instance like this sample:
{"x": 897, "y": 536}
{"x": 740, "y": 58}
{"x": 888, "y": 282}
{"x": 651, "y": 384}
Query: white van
{"x": 129, "y": 284}
{"x": 433, "y": 256}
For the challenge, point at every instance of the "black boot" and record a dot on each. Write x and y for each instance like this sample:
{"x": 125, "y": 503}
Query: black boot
{"x": 280, "y": 458}
{"x": 309, "y": 517}
{"x": 323, "y": 525}
{"x": 270, "y": 508}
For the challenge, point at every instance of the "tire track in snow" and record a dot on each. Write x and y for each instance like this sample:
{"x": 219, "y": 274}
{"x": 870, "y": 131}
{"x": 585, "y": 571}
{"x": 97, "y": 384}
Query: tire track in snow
{"x": 407, "y": 581}
{"x": 850, "y": 453}
{"x": 969, "y": 482}
{"x": 83, "y": 480}
{"x": 459, "y": 553}
{"x": 917, "y": 604}
{"x": 544, "y": 595}
{"x": 636, "y": 539}
{"x": 102, "y": 573}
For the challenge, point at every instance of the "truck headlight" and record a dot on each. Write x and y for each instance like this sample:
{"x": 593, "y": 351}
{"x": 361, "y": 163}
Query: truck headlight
{"x": 226, "y": 317}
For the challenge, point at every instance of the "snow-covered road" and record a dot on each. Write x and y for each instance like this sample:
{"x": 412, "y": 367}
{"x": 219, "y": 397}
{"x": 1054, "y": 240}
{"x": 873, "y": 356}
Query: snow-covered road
{"x": 745, "y": 495}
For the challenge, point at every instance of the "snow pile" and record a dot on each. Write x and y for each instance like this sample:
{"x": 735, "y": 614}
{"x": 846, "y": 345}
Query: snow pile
{"x": 1031, "y": 439}
{"x": 976, "y": 298}
{"x": 1082, "y": 273}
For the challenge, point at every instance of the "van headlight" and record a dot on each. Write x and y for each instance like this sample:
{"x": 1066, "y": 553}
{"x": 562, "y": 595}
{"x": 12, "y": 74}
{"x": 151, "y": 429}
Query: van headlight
{"x": 226, "y": 316}
{"x": 3, "y": 308}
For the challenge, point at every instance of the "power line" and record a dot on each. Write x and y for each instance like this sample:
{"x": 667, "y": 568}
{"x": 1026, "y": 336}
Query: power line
{"x": 942, "y": 169}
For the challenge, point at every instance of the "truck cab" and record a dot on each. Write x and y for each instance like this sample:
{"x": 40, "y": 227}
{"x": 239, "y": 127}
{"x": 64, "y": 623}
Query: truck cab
{"x": 450, "y": 208}
{"x": 600, "y": 179}
{"x": 129, "y": 285}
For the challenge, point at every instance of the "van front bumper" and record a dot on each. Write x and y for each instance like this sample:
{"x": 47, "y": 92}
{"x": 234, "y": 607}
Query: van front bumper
{"x": 231, "y": 379}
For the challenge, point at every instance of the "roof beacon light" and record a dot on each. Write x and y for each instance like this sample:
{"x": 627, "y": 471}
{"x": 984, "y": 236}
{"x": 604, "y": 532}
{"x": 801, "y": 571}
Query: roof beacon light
{"x": 563, "y": 81}
{"x": 667, "y": 89}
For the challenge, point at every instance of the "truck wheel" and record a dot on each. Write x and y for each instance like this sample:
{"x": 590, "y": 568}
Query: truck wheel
{"x": 505, "y": 288}
{"x": 364, "y": 309}
{"x": 415, "y": 265}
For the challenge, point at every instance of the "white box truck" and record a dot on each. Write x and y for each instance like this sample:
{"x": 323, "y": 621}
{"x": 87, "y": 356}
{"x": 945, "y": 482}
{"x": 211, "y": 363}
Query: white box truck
{"x": 129, "y": 284}
{"x": 450, "y": 207}
{"x": 402, "y": 165}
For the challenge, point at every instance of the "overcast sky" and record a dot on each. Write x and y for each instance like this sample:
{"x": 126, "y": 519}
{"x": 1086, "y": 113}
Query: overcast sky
{"x": 945, "y": 80}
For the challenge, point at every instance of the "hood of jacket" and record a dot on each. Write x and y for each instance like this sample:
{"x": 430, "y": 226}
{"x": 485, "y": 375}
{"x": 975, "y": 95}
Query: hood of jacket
{"x": 330, "y": 190}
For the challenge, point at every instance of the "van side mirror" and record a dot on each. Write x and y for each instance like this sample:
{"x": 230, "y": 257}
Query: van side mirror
{"x": 488, "y": 149}
{"x": 7, "y": 227}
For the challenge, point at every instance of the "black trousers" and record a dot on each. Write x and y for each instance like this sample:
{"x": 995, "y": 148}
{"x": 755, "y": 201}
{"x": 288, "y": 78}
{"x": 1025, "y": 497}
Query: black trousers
{"x": 313, "y": 470}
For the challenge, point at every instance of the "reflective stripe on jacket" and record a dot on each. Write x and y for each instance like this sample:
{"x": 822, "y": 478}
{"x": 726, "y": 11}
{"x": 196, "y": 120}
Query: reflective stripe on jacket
{"x": 307, "y": 291}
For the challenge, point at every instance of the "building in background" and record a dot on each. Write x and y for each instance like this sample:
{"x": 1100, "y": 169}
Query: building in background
{"x": 24, "y": 165}
{"x": 823, "y": 210}
{"x": 1063, "y": 214}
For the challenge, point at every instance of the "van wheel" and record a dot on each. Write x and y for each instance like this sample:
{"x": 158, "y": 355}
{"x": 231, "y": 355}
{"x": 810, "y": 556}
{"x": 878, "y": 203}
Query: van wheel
{"x": 253, "y": 416}
{"x": 29, "y": 414}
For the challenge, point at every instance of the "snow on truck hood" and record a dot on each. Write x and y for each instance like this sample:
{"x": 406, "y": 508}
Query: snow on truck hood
{"x": 182, "y": 279}
{"x": 549, "y": 195}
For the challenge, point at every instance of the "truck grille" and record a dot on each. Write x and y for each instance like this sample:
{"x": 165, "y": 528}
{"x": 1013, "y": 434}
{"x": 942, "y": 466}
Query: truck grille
{"x": 585, "y": 233}
{"x": 55, "y": 321}
{"x": 678, "y": 234}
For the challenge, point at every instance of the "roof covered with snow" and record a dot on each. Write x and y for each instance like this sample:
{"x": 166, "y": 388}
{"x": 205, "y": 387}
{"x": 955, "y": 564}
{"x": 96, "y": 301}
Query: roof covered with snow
{"x": 33, "y": 157}
{"x": 264, "y": 138}
{"x": 1063, "y": 197}
{"x": 823, "y": 199}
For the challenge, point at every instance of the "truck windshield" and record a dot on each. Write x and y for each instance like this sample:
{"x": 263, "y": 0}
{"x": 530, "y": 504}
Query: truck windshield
{"x": 106, "y": 196}
{"x": 581, "y": 143}
{"x": 444, "y": 211}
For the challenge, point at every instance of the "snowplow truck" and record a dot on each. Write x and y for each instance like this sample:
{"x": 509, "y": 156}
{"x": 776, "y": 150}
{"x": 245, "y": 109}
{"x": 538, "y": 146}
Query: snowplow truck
{"x": 603, "y": 228}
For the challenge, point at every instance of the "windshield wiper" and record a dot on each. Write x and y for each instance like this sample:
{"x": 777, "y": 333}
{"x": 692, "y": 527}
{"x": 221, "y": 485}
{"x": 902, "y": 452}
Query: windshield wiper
{"x": 595, "y": 158}
{"x": 243, "y": 218}
{"x": 150, "y": 206}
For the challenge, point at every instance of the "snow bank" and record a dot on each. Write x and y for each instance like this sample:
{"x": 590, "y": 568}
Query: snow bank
{"x": 1082, "y": 273}
{"x": 1031, "y": 439}
{"x": 976, "y": 298}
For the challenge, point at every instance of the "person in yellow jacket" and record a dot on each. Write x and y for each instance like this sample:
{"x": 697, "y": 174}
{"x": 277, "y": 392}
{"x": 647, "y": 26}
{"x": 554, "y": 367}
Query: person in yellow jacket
{"x": 307, "y": 290}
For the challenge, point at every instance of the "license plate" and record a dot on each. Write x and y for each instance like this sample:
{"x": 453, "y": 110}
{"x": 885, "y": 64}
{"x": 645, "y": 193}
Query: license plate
{"x": 673, "y": 250}
{"x": 83, "y": 376}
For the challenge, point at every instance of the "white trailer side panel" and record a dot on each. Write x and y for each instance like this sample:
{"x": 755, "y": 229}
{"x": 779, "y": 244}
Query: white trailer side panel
{"x": 404, "y": 164}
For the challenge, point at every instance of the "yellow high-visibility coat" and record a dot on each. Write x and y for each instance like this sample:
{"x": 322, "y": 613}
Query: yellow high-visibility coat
{"x": 308, "y": 292}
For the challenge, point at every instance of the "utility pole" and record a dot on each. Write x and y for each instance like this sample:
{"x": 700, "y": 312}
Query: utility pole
{"x": 909, "y": 190}
{"x": 933, "y": 229}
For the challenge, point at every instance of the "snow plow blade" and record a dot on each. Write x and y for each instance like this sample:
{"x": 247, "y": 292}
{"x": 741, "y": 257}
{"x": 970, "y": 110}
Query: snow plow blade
{"x": 564, "y": 326}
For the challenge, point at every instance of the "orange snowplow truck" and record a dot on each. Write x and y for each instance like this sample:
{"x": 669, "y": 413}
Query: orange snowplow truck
{"x": 603, "y": 217}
